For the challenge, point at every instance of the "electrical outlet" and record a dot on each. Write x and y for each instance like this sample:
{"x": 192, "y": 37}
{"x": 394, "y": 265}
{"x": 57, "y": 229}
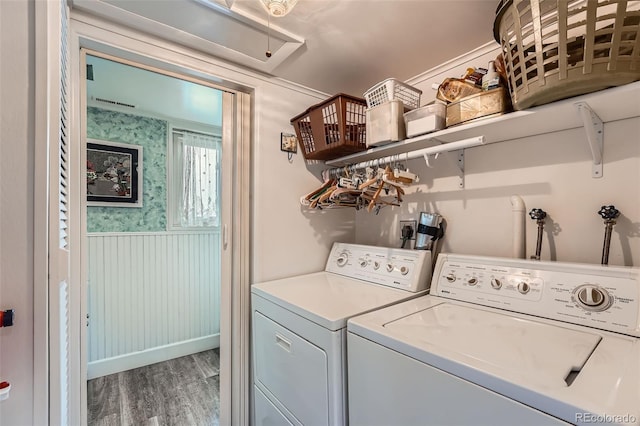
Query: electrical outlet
{"x": 410, "y": 223}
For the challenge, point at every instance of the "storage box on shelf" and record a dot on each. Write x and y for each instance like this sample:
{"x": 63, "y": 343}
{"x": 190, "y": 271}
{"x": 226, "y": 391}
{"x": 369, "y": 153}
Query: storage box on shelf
{"x": 556, "y": 50}
{"x": 391, "y": 90}
{"x": 481, "y": 105}
{"x": 385, "y": 123}
{"x": 333, "y": 128}
{"x": 426, "y": 119}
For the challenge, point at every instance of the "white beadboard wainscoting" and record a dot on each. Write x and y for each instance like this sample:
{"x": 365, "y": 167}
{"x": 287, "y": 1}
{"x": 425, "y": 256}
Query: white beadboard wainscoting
{"x": 152, "y": 297}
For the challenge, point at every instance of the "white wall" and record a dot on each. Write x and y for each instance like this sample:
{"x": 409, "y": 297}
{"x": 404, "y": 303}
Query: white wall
{"x": 17, "y": 78}
{"x": 287, "y": 238}
{"x": 551, "y": 172}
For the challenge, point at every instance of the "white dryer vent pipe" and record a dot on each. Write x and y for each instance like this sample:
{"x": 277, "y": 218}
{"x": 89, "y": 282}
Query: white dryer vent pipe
{"x": 519, "y": 239}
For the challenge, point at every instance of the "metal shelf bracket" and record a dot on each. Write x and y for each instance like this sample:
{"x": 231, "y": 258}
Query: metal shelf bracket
{"x": 460, "y": 164}
{"x": 459, "y": 161}
{"x": 594, "y": 128}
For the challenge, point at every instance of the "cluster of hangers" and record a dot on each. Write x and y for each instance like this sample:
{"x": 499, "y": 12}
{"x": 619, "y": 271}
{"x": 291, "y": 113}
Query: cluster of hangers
{"x": 370, "y": 188}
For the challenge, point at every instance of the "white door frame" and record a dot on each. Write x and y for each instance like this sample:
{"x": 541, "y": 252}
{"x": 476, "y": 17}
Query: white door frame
{"x": 47, "y": 110}
{"x": 108, "y": 38}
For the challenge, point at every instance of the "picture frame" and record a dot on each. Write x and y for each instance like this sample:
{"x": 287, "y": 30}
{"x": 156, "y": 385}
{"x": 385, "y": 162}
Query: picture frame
{"x": 114, "y": 174}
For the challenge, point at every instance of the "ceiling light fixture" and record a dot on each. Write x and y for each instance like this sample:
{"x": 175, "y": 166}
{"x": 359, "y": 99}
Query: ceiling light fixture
{"x": 278, "y": 8}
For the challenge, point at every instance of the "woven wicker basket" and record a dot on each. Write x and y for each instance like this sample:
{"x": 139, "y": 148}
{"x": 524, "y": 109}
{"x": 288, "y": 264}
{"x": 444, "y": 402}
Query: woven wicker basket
{"x": 555, "y": 49}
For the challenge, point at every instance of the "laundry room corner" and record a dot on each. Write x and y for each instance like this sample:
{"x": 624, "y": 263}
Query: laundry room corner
{"x": 330, "y": 213}
{"x": 287, "y": 239}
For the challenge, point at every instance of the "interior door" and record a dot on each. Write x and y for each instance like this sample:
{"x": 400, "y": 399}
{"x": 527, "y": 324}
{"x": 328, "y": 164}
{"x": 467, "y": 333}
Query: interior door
{"x": 61, "y": 409}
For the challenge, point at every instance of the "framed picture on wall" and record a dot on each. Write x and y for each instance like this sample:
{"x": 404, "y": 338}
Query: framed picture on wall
{"x": 114, "y": 174}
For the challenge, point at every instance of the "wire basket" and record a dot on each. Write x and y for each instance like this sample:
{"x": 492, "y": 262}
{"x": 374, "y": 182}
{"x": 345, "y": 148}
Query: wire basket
{"x": 333, "y": 128}
{"x": 557, "y": 49}
{"x": 393, "y": 90}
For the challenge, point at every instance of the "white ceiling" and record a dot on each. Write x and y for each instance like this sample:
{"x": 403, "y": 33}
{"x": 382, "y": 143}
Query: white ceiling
{"x": 140, "y": 91}
{"x": 333, "y": 46}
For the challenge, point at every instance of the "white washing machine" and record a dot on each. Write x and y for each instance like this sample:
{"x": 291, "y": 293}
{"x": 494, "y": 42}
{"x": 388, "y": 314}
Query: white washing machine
{"x": 502, "y": 342}
{"x": 299, "y": 329}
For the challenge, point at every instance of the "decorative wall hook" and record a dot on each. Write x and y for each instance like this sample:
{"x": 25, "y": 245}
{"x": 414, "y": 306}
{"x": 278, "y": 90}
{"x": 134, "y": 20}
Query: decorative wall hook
{"x": 289, "y": 144}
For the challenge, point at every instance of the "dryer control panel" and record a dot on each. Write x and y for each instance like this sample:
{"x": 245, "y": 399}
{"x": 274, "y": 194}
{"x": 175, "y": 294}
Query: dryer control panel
{"x": 604, "y": 297}
{"x": 404, "y": 269}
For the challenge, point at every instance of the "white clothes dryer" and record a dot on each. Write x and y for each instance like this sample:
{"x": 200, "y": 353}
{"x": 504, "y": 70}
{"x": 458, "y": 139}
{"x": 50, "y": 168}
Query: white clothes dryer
{"x": 502, "y": 342}
{"x": 299, "y": 329}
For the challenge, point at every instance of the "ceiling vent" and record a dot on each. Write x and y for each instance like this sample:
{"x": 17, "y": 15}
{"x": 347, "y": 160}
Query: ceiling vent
{"x": 108, "y": 101}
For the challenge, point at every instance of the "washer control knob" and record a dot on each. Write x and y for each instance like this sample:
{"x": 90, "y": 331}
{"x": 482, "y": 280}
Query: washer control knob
{"x": 390, "y": 267}
{"x": 472, "y": 281}
{"x": 496, "y": 283}
{"x": 342, "y": 259}
{"x": 524, "y": 287}
{"x": 376, "y": 265}
{"x": 363, "y": 262}
{"x": 592, "y": 298}
{"x": 451, "y": 277}
{"x": 404, "y": 270}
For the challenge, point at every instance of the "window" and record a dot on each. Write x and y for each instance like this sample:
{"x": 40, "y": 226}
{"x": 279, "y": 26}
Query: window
{"x": 195, "y": 176}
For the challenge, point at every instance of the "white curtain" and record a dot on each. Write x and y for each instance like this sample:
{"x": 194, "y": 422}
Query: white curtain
{"x": 200, "y": 159}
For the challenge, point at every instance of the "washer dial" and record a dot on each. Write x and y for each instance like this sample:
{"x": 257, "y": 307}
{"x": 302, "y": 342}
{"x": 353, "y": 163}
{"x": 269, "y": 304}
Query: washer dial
{"x": 342, "y": 259}
{"x": 592, "y": 298}
{"x": 524, "y": 287}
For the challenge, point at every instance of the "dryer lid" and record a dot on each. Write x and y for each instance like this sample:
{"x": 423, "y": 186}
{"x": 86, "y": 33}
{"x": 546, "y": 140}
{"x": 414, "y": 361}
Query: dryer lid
{"x": 512, "y": 348}
{"x": 329, "y": 299}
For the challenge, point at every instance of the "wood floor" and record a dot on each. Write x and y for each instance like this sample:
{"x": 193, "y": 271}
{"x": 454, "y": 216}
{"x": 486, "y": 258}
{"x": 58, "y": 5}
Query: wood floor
{"x": 181, "y": 391}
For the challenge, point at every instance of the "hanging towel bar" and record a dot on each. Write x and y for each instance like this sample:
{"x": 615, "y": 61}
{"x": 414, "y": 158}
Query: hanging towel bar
{"x": 420, "y": 153}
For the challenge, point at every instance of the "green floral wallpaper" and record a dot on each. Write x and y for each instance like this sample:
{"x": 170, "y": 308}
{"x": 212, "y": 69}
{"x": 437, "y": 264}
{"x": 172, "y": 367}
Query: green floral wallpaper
{"x": 151, "y": 134}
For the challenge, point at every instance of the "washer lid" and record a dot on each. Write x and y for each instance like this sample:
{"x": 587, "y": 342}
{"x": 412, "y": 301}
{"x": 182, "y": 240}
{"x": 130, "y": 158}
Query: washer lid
{"x": 329, "y": 299}
{"x": 508, "y": 347}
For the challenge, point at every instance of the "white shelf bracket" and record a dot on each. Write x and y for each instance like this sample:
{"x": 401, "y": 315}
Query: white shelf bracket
{"x": 461, "y": 167}
{"x": 594, "y": 128}
{"x": 459, "y": 162}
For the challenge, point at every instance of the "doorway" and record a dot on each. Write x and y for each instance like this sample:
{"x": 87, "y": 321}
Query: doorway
{"x": 155, "y": 301}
